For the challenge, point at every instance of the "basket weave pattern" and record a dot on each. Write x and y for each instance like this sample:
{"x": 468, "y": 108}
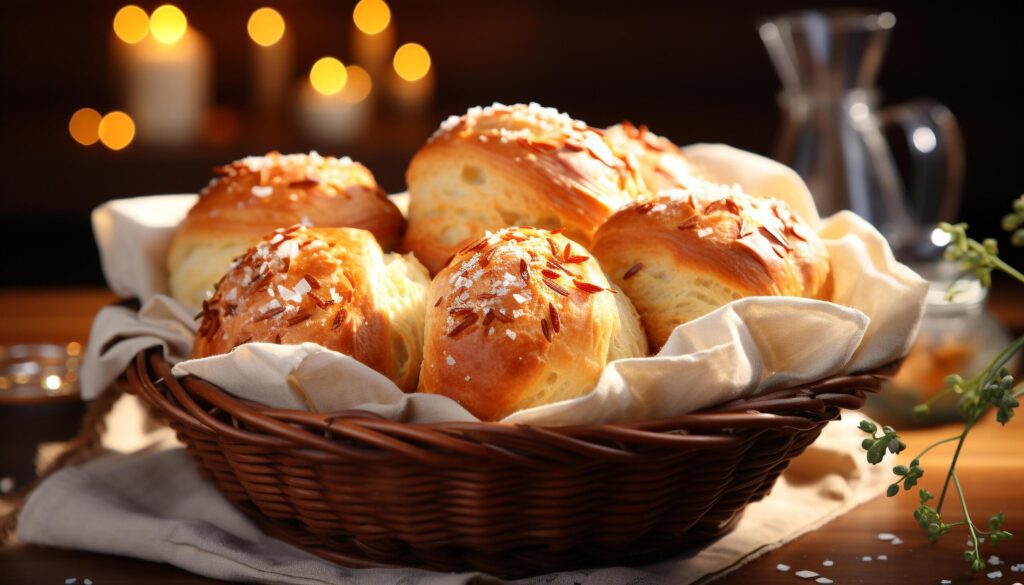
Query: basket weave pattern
{"x": 506, "y": 499}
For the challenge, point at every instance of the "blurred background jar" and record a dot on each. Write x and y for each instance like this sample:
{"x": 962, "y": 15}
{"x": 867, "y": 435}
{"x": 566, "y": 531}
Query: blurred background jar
{"x": 39, "y": 404}
{"x": 958, "y": 336}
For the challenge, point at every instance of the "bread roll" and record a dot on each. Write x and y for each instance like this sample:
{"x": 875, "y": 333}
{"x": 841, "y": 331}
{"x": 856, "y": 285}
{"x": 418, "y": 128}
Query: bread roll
{"x": 331, "y": 286}
{"x": 504, "y": 166}
{"x": 520, "y": 318}
{"x": 660, "y": 162}
{"x": 687, "y": 252}
{"x": 258, "y": 194}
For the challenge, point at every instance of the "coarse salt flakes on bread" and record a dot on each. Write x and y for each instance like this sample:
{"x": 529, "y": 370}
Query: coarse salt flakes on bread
{"x": 330, "y": 286}
{"x": 257, "y": 194}
{"x": 523, "y": 317}
{"x": 685, "y": 253}
{"x": 504, "y": 166}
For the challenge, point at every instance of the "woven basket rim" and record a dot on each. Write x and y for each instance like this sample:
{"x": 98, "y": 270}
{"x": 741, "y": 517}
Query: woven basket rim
{"x": 200, "y": 404}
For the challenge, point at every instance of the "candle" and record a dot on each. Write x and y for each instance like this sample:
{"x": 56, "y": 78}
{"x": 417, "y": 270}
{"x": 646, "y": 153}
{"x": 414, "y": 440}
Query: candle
{"x": 165, "y": 75}
{"x": 373, "y": 39}
{"x": 272, "y": 51}
{"x": 411, "y": 80}
{"x": 332, "y": 103}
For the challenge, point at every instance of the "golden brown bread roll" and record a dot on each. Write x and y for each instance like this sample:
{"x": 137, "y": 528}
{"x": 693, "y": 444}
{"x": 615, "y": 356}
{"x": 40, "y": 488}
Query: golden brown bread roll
{"x": 331, "y": 286}
{"x": 685, "y": 253}
{"x": 520, "y": 318}
{"x": 660, "y": 162}
{"x": 504, "y": 166}
{"x": 258, "y": 194}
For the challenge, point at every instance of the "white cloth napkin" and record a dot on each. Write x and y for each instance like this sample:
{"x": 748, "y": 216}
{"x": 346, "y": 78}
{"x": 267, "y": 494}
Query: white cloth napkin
{"x": 154, "y": 506}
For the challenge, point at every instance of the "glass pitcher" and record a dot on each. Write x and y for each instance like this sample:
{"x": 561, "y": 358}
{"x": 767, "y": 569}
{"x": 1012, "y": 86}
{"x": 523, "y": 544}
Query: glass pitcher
{"x": 833, "y": 132}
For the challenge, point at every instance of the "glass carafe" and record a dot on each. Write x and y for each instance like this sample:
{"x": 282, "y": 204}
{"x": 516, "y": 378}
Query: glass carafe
{"x": 833, "y": 131}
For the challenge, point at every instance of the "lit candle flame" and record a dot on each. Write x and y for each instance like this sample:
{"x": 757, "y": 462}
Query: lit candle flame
{"x": 411, "y": 62}
{"x": 328, "y": 76}
{"x": 266, "y": 27}
{"x": 168, "y": 24}
{"x": 85, "y": 126}
{"x": 358, "y": 85}
{"x": 116, "y": 130}
{"x": 131, "y": 24}
{"x": 371, "y": 16}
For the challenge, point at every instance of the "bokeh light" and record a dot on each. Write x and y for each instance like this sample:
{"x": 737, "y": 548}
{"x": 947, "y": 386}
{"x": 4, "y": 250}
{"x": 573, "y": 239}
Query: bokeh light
{"x": 131, "y": 24}
{"x": 116, "y": 130}
{"x": 358, "y": 84}
{"x": 328, "y": 76}
{"x": 85, "y": 126}
{"x": 411, "y": 61}
{"x": 168, "y": 24}
{"x": 371, "y": 16}
{"x": 266, "y": 27}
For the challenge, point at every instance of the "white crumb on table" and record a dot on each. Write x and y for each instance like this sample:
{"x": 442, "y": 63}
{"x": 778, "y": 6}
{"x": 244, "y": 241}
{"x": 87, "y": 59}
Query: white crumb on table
{"x": 994, "y": 560}
{"x": 827, "y": 563}
{"x": 886, "y": 536}
{"x": 866, "y": 559}
{"x": 782, "y": 568}
{"x": 882, "y": 557}
{"x": 995, "y": 575}
{"x": 896, "y": 541}
{"x": 823, "y": 580}
{"x": 806, "y": 574}
{"x": 70, "y": 581}
{"x": 449, "y": 360}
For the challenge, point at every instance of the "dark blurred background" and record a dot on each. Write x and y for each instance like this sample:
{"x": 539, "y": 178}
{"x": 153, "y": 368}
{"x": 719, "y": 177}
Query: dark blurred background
{"x": 693, "y": 71}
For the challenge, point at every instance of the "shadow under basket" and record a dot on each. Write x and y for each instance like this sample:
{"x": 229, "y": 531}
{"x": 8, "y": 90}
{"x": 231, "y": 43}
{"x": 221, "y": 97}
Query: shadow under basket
{"x": 510, "y": 500}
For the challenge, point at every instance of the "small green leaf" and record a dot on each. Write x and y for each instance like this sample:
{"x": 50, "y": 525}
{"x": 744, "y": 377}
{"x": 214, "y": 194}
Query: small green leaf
{"x": 868, "y": 426}
{"x": 893, "y": 490}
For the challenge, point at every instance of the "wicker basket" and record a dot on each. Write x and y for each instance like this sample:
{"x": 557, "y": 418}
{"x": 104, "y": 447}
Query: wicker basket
{"x": 506, "y": 499}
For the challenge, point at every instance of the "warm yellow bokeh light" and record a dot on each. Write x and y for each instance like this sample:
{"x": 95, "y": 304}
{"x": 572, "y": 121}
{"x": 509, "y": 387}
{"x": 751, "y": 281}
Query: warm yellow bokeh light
{"x": 358, "y": 86}
{"x": 168, "y": 24}
{"x": 371, "y": 16}
{"x": 116, "y": 130}
{"x": 131, "y": 24}
{"x": 266, "y": 27}
{"x": 328, "y": 76}
{"x": 85, "y": 126}
{"x": 411, "y": 61}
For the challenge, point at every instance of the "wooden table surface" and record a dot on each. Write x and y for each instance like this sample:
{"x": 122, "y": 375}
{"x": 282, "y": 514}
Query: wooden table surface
{"x": 991, "y": 469}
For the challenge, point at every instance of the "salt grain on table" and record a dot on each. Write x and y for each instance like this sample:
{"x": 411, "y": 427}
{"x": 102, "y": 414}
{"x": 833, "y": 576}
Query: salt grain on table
{"x": 866, "y": 559}
{"x": 882, "y": 557}
{"x": 806, "y": 574}
{"x": 994, "y": 560}
{"x": 827, "y": 563}
{"x": 897, "y": 540}
{"x": 945, "y": 582}
{"x": 886, "y": 536}
{"x": 995, "y": 575}
{"x": 781, "y": 567}
{"x": 824, "y": 580}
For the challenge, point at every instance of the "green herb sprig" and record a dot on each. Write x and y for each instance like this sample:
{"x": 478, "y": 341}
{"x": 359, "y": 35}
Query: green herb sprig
{"x": 993, "y": 388}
